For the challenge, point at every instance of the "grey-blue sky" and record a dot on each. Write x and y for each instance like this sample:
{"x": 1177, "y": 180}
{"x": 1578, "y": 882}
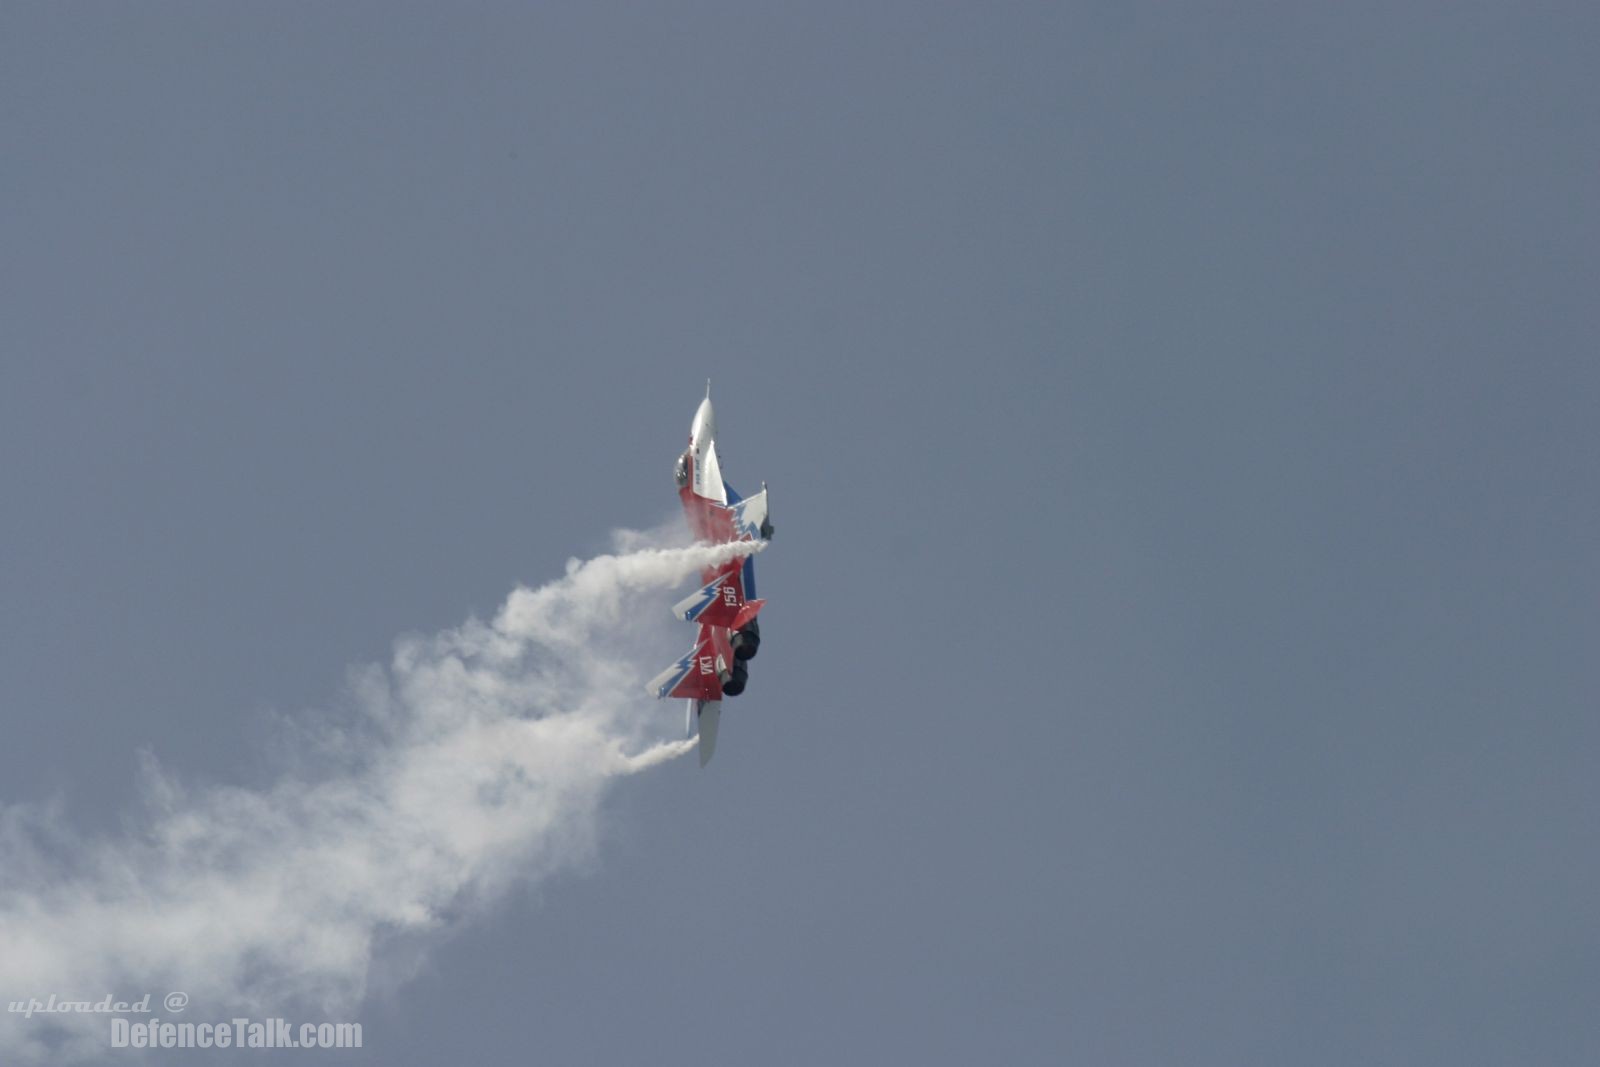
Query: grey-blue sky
{"x": 1181, "y": 437}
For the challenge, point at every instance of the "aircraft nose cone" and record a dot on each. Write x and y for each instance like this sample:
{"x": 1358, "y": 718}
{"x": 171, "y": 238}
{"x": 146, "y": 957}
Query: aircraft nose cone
{"x": 705, "y": 422}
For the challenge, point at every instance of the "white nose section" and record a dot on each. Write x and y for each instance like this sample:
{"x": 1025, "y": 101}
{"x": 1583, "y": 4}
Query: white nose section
{"x": 704, "y": 427}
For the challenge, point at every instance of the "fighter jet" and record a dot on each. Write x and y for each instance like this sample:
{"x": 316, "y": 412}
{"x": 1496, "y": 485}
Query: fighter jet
{"x": 725, "y": 605}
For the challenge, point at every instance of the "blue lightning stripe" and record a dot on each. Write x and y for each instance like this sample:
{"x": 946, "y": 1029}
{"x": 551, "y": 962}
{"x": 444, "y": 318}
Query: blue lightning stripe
{"x": 708, "y": 593}
{"x": 684, "y": 665}
{"x": 743, "y": 526}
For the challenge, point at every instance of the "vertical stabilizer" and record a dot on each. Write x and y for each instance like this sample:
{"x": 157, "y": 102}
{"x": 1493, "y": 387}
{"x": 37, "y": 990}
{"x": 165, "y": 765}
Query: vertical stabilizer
{"x": 710, "y": 714}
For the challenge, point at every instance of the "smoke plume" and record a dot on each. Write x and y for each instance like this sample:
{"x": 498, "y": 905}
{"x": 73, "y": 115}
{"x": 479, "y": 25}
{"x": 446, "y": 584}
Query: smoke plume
{"x": 474, "y": 762}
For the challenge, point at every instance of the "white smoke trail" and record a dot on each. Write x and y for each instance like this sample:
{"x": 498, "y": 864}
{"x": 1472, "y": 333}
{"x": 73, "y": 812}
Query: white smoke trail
{"x": 474, "y": 762}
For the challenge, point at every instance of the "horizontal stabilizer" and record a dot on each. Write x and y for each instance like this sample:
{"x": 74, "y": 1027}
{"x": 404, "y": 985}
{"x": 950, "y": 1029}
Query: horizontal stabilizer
{"x": 693, "y": 676}
{"x": 700, "y": 673}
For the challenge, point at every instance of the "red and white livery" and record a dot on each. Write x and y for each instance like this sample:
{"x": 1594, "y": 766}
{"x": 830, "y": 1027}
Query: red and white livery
{"x": 725, "y": 606}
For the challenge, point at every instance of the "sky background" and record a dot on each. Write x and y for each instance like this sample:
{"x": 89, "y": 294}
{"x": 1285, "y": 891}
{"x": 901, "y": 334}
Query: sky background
{"x": 1181, "y": 427}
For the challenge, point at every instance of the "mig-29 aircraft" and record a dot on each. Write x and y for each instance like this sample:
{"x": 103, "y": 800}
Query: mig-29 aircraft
{"x": 725, "y": 606}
